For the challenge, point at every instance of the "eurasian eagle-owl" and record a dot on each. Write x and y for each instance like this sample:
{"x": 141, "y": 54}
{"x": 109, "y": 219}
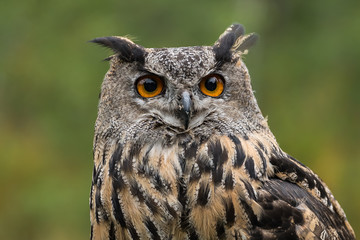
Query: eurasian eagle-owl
{"x": 182, "y": 151}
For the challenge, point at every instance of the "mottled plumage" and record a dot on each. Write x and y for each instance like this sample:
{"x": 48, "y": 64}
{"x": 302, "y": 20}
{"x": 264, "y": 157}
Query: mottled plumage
{"x": 184, "y": 164}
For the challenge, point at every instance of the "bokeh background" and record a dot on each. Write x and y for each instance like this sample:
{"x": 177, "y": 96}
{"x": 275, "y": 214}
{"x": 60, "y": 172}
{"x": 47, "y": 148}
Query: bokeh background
{"x": 305, "y": 70}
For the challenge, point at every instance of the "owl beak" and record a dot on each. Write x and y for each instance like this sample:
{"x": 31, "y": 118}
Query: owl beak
{"x": 185, "y": 108}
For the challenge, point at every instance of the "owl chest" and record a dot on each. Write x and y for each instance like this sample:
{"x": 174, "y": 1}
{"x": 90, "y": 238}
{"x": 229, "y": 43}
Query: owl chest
{"x": 178, "y": 192}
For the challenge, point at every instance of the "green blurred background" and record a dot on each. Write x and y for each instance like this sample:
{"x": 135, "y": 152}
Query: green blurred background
{"x": 305, "y": 70}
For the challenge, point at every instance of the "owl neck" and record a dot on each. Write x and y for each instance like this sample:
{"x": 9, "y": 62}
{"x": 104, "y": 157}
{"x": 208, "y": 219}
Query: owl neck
{"x": 190, "y": 155}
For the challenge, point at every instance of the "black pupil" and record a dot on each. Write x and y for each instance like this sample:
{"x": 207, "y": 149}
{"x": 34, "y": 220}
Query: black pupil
{"x": 211, "y": 84}
{"x": 150, "y": 85}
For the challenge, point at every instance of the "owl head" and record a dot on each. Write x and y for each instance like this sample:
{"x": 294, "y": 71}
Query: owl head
{"x": 164, "y": 92}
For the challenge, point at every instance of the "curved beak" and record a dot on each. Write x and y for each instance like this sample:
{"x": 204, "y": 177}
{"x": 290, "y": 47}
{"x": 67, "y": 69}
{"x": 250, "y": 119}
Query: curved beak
{"x": 185, "y": 108}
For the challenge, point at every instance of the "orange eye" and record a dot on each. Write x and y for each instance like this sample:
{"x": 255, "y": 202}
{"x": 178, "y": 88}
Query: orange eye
{"x": 149, "y": 86}
{"x": 212, "y": 85}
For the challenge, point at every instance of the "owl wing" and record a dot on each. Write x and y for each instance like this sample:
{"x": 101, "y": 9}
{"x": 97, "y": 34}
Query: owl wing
{"x": 296, "y": 204}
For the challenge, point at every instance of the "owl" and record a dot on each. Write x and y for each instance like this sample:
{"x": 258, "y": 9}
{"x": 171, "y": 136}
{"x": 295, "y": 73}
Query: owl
{"x": 182, "y": 151}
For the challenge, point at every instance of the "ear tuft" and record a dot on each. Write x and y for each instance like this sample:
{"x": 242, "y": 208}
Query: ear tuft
{"x": 246, "y": 42}
{"x": 125, "y": 48}
{"x": 232, "y": 40}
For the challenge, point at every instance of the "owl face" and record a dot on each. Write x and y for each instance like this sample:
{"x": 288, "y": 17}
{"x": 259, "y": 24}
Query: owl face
{"x": 178, "y": 90}
{"x": 180, "y": 104}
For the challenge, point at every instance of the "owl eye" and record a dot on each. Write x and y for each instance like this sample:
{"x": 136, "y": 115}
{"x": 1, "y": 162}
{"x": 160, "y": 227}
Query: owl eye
{"x": 212, "y": 85}
{"x": 149, "y": 86}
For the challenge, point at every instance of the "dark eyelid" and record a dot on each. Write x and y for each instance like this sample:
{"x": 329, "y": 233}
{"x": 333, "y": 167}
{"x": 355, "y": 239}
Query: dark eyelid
{"x": 215, "y": 72}
{"x": 142, "y": 69}
{"x": 147, "y": 72}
